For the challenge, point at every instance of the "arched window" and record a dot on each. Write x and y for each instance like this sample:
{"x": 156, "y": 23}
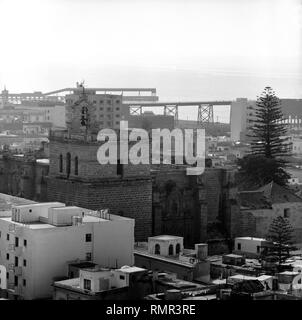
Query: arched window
{"x": 157, "y": 249}
{"x": 68, "y": 164}
{"x": 171, "y": 250}
{"x": 177, "y": 248}
{"x": 76, "y": 166}
{"x": 61, "y": 163}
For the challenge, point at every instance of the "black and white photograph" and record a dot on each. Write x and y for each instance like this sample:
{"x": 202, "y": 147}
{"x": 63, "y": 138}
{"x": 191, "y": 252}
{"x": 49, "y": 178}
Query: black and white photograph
{"x": 150, "y": 153}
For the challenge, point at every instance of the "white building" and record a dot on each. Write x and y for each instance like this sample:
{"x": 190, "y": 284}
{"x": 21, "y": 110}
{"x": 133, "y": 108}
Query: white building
{"x": 38, "y": 240}
{"x": 241, "y": 117}
{"x": 166, "y": 253}
{"x": 250, "y": 245}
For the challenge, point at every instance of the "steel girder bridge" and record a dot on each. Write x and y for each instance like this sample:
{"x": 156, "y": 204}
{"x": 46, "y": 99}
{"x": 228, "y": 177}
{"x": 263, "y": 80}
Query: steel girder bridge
{"x": 205, "y": 108}
{"x": 129, "y": 94}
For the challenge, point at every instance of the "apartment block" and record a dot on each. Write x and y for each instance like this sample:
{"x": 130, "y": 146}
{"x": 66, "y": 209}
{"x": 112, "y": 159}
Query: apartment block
{"x": 39, "y": 239}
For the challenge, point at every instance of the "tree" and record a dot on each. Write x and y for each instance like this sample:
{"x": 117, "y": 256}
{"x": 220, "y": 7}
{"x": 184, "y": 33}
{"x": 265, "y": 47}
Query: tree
{"x": 258, "y": 171}
{"x": 280, "y": 233}
{"x": 269, "y": 146}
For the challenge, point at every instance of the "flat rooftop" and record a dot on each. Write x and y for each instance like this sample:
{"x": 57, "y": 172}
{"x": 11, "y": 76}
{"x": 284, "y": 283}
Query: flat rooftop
{"x": 250, "y": 238}
{"x": 232, "y": 255}
{"x": 165, "y": 238}
{"x": 127, "y": 269}
{"x": 172, "y": 260}
{"x": 41, "y": 225}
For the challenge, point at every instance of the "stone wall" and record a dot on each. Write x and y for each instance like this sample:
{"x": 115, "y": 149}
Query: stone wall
{"x": 23, "y": 177}
{"x": 126, "y": 197}
{"x": 256, "y": 223}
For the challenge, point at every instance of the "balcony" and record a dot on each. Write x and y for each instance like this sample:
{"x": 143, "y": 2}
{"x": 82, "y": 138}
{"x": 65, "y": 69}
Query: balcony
{"x": 18, "y": 271}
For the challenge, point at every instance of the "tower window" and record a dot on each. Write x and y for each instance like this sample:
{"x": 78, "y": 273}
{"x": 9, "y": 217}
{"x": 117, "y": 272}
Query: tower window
{"x": 157, "y": 249}
{"x": 76, "y": 166}
{"x": 119, "y": 168}
{"x": 68, "y": 163}
{"x": 61, "y": 163}
{"x": 171, "y": 250}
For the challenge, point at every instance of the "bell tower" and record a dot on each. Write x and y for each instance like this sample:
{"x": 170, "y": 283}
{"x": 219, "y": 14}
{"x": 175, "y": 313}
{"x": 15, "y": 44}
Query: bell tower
{"x": 77, "y": 178}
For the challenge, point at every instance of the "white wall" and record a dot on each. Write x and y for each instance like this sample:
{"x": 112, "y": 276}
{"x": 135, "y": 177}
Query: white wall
{"x": 113, "y": 243}
{"x": 248, "y": 245}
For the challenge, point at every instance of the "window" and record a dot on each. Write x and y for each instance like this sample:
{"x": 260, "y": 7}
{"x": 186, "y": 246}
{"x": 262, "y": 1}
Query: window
{"x": 101, "y": 116}
{"x": 101, "y": 101}
{"x": 286, "y": 213}
{"x": 157, "y": 249}
{"x": 171, "y": 250}
{"x": 24, "y": 283}
{"x": 0, "y": 234}
{"x": 88, "y": 256}
{"x": 25, "y": 242}
{"x": 68, "y": 163}
{"x": 117, "y": 101}
{"x": 122, "y": 277}
{"x": 16, "y": 281}
{"x": 24, "y": 262}
{"x": 88, "y": 237}
{"x": 7, "y": 275}
{"x": 76, "y": 166}
{"x": 94, "y": 101}
{"x": 87, "y": 284}
{"x": 177, "y": 248}
{"x": 117, "y": 115}
{"x": 258, "y": 249}
{"x": 119, "y": 168}
{"x": 16, "y": 242}
{"x": 61, "y": 163}
{"x": 109, "y": 101}
{"x": 7, "y": 256}
{"x": 238, "y": 246}
{"x": 16, "y": 261}
{"x": 7, "y": 237}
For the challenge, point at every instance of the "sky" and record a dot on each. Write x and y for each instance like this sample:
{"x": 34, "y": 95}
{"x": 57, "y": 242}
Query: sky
{"x": 187, "y": 49}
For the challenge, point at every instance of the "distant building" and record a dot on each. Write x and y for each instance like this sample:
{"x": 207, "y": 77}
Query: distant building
{"x": 243, "y": 112}
{"x": 39, "y": 239}
{"x": 107, "y": 110}
{"x": 251, "y": 247}
{"x": 166, "y": 253}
